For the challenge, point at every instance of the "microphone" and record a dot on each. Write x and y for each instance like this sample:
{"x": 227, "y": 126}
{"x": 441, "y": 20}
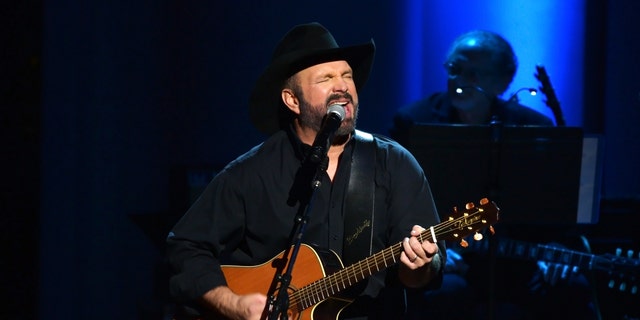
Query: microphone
{"x": 330, "y": 123}
{"x": 514, "y": 96}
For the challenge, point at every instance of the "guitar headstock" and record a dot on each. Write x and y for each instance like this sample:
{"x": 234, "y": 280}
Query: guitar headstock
{"x": 471, "y": 220}
{"x": 545, "y": 82}
{"x": 541, "y": 75}
{"x": 547, "y": 89}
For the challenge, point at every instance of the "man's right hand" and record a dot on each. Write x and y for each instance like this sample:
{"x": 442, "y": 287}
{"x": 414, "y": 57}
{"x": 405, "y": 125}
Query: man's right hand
{"x": 233, "y": 306}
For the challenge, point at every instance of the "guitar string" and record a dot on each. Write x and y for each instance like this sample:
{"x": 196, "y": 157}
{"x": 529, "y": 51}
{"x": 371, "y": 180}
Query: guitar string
{"x": 343, "y": 276}
{"x": 325, "y": 287}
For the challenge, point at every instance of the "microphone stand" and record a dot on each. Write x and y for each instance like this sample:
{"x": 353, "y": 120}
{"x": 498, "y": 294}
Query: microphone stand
{"x": 307, "y": 181}
{"x": 317, "y": 163}
{"x": 494, "y": 191}
{"x": 495, "y": 126}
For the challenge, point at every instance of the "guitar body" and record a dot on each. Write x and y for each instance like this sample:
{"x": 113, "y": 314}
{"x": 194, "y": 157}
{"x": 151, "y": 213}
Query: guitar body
{"x": 311, "y": 264}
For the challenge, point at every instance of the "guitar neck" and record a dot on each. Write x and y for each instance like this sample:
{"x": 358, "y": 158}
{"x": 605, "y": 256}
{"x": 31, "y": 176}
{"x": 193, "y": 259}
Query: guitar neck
{"x": 522, "y": 250}
{"x": 553, "y": 104}
{"x": 557, "y": 114}
{"x": 535, "y": 251}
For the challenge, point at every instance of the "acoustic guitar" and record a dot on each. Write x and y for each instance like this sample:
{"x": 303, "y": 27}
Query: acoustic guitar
{"x": 318, "y": 276}
{"x": 622, "y": 269}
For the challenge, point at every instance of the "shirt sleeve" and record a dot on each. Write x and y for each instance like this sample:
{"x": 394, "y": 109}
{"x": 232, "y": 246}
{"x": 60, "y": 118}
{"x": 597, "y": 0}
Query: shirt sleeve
{"x": 198, "y": 241}
{"x": 410, "y": 200}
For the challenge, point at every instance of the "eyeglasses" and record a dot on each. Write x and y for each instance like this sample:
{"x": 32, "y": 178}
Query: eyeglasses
{"x": 455, "y": 70}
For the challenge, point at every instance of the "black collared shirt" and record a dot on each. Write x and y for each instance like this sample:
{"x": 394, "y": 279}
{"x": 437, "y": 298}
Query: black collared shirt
{"x": 245, "y": 216}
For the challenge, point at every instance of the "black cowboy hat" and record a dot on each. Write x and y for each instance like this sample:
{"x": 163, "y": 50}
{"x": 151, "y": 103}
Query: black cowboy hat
{"x": 303, "y": 46}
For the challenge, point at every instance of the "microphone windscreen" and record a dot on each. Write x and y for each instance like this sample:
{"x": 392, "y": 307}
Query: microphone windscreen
{"x": 338, "y": 110}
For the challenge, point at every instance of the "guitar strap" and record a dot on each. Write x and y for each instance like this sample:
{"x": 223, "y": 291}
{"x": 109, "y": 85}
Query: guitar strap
{"x": 359, "y": 200}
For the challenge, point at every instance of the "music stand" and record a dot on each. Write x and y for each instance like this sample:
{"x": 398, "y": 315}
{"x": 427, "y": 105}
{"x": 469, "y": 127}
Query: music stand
{"x": 536, "y": 175}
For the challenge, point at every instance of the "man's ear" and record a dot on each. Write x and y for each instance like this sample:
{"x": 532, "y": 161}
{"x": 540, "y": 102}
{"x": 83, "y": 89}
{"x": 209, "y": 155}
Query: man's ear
{"x": 290, "y": 100}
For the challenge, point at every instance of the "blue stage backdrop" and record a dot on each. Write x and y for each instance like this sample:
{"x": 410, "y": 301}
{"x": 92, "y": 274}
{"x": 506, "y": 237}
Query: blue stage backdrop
{"x": 544, "y": 32}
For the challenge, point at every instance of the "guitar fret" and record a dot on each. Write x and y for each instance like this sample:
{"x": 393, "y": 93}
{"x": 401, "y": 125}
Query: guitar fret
{"x": 392, "y": 256}
{"x": 343, "y": 284}
{"x": 533, "y": 252}
{"x": 324, "y": 293}
{"x": 333, "y": 287}
{"x": 520, "y": 250}
{"x": 317, "y": 296}
{"x": 305, "y": 302}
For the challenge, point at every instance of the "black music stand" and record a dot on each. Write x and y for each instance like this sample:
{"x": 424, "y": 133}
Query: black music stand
{"x": 531, "y": 172}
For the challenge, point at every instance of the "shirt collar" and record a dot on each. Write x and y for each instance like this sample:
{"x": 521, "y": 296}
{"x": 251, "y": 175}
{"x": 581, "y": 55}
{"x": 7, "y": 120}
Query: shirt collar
{"x": 302, "y": 149}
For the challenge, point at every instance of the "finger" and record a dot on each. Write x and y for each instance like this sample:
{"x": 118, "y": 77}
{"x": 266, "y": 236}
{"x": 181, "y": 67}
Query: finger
{"x": 547, "y": 271}
{"x": 544, "y": 269}
{"x": 430, "y": 249}
{"x": 408, "y": 252}
{"x": 416, "y": 230}
{"x": 423, "y": 251}
{"x": 565, "y": 272}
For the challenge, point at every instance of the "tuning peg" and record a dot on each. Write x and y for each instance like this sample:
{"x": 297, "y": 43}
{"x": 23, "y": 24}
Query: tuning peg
{"x": 464, "y": 243}
{"x": 630, "y": 254}
{"x": 492, "y": 230}
{"x": 623, "y": 286}
{"x": 484, "y": 201}
{"x": 477, "y": 236}
{"x": 618, "y": 252}
{"x": 470, "y": 206}
{"x": 611, "y": 284}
